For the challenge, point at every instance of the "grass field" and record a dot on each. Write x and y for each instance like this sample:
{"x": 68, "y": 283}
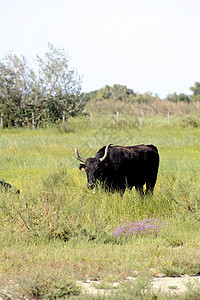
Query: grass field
{"x": 57, "y": 230}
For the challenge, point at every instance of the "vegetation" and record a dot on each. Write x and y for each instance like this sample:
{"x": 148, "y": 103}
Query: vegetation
{"x": 154, "y": 108}
{"x": 196, "y": 91}
{"x": 57, "y": 231}
{"x": 48, "y": 89}
{"x": 177, "y": 98}
{"x": 120, "y": 93}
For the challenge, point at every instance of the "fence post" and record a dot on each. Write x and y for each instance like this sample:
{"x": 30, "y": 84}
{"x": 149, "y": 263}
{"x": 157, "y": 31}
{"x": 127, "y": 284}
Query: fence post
{"x": 92, "y": 120}
{"x": 142, "y": 118}
{"x": 1, "y": 120}
{"x": 33, "y": 120}
{"x": 117, "y": 118}
{"x": 168, "y": 117}
{"x": 63, "y": 120}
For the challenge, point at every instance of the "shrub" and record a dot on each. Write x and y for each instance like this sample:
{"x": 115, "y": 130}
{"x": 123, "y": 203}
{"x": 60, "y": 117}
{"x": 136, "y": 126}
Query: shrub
{"x": 191, "y": 121}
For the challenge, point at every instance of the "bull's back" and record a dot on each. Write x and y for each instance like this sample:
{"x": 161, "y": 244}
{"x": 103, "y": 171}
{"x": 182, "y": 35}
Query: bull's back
{"x": 136, "y": 161}
{"x": 136, "y": 152}
{"x": 136, "y": 158}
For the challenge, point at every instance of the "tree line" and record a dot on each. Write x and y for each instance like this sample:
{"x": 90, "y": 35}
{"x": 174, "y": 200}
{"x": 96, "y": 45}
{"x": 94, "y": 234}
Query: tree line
{"x": 122, "y": 93}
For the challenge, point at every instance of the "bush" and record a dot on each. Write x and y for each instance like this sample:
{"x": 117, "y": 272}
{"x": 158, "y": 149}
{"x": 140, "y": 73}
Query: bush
{"x": 191, "y": 121}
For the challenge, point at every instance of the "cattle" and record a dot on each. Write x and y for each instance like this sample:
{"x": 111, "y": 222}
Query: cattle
{"x": 118, "y": 167}
{"x": 5, "y": 186}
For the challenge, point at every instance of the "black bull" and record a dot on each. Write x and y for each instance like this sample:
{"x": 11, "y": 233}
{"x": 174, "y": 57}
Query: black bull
{"x": 118, "y": 167}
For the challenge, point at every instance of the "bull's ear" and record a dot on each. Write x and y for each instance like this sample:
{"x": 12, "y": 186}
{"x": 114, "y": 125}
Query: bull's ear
{"x": 82, "y": 166}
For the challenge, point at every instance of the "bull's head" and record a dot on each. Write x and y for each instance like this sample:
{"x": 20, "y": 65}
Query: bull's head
{"x": 92, "y": 166}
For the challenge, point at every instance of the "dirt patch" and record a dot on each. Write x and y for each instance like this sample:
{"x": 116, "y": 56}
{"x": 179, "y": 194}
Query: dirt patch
{"x": 169, "y": 285}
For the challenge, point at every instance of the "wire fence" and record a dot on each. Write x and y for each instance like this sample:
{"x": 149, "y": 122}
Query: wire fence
{"x": 122, "y": 113}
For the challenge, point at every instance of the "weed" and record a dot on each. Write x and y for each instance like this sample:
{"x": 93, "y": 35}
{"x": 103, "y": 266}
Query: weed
{"x": 140, "y": 289}
{"x": 146, "y": 226}
{"x": 180, "y": 264}
{"x": 38, "y": 287}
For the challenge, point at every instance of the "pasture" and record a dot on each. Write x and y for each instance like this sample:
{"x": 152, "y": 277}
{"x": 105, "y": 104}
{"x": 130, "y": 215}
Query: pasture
{"x": 58, "y": 230}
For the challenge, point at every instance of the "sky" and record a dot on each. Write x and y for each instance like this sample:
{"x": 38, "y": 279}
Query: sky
{"x": 147, "y": 45}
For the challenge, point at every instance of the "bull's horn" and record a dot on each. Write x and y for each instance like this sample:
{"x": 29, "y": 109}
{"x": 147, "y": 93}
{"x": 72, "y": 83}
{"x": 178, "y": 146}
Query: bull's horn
{"x": 106, "y": 152}
{"x": 77, "y": 155}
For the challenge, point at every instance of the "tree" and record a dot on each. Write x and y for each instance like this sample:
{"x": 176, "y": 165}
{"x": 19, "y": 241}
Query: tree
{"x": 147, "y": 97}
{"x": 59, "y": 85}
{"x": 20, "y": 90}
{"x": 196, "y": 91}
{"x": 48, "y": 90}
{"x": 119, "y": 92}
{"x": 115, "y": 92}
{"x": 7, "y": 90}
{"x": 176, "y": 98}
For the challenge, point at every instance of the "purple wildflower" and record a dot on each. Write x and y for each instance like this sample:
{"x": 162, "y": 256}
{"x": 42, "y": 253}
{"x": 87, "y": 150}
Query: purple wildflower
{"x": 151, "y": 225}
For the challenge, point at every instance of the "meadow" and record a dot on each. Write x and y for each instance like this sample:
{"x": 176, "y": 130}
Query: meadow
{"x": 57, "y": 231}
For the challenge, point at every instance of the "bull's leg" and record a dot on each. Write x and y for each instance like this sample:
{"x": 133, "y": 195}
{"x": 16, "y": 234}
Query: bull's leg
{"x": 149, "y": 189}
{"x": 150, "y": 184}
{"x": 139, "y": 188}
{"x": 151, "y": 180}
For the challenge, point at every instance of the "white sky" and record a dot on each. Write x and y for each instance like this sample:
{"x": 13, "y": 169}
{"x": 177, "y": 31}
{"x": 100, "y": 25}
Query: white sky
{"x": 148, "y": 45}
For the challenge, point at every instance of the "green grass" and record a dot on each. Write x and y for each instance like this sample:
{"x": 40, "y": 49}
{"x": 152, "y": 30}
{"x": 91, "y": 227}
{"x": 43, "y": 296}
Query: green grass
{"x": 57, "y": 228}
